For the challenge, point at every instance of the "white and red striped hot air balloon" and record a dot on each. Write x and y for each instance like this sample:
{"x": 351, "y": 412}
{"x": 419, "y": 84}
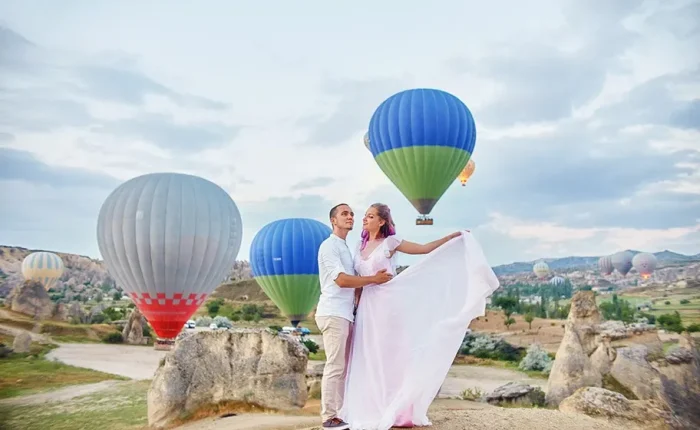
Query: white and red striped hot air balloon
{"x": 605, "y": 265}
{"x": 168, "y": 239}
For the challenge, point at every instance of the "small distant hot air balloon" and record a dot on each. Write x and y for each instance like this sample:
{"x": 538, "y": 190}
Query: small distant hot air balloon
{"x": 645, "y": 263}
{"x": 557, "y": 280}
{"x": 284, "y": 261}
{"x": 366, "y": 139}
{"x": 622, "y": 262}
{"x": 605, "y": 265}
{"x": 541, "y": 269}
{"x": 467, "y": 172}
{"x": 43, "y": 267}
{"x": 422, "y": 139}
{"x": 168, "y": 239}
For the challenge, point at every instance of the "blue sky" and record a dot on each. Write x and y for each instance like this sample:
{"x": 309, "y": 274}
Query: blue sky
{"x": 588, "y": 114}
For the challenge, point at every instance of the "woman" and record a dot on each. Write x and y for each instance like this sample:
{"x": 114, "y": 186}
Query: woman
{"x": 408, "y": 330}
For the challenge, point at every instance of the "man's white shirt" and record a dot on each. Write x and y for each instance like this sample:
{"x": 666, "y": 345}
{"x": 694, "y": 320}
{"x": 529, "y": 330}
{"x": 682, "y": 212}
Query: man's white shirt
{"x": 334, "y": 258}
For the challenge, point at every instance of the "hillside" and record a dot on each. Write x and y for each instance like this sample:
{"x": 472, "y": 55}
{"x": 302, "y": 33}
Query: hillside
{"x": 567, "y": 264}
{"x": 85, "y": 278}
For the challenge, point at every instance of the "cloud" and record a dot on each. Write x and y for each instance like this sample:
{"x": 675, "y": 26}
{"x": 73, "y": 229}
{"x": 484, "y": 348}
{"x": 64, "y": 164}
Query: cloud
{"x": 23, "y": 166}
{"x": 312, "y": 183}
{"x": 164, "y": 132}
{"x": 46, "y": 90}
{"x": 353, "y": 103}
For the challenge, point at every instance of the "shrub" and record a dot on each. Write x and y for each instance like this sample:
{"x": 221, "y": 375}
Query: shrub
{"x": 536, "y": 359}
{"x": 693, "y": 328}
{"x": 114, "y": 337}
{"x": 485, "y": 346}
{"x": 311, "y": 346}
{"x": 685, "y": 301}
{"x": 222, "y": 322}
{"x": 203, "y": 322}
{"x": 275, "y": 328}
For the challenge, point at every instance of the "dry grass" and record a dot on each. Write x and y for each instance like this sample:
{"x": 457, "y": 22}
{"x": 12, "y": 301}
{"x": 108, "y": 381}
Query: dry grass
{"x": 29, "y": 373}
{"x": 547, "y": 332}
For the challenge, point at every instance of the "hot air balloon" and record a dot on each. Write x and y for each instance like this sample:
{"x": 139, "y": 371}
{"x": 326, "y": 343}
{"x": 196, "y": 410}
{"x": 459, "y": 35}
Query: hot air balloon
{"x": 557, "y": 280}
{"x": 366, "y": 139}
{"x": 645, "y": 263}
{"x": 284, "y": 261}
{"x": 467, "y": 172}
{"x": 605, "y": 265}
{"x": 168, "y": 239}
{"x": 622, "y": 262}
{"x": 541, "y": 269}
{"x": 43, "y": 267}
{"x": 422, "y": 139}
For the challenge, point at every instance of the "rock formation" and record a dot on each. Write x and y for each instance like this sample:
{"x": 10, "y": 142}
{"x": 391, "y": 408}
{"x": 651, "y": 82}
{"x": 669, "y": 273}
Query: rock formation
{"x": 30, "y": 298}
{"x": 670, "y": 385}
{"x": 133, "y": 329}
{"x": 514, "y": 393}
{"x": 228, "y": 367}
{"x": 22, "y": 343}
{"x": 600, "y": 402}
{"x": 572, "y": 367}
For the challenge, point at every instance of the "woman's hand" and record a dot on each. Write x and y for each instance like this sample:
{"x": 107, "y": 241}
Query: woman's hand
{"x": 453, "y": 235}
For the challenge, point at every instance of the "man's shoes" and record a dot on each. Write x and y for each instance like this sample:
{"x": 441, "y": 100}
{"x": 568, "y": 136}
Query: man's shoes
{"x": 336, "y": 424}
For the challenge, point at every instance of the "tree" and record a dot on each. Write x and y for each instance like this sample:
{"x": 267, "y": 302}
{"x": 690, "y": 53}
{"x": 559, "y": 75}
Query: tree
{"x": 508, "y": 322}
{"x": 117, "y": 296}
{"x": 99, "y": 297}
{"x": 528, "y": 319}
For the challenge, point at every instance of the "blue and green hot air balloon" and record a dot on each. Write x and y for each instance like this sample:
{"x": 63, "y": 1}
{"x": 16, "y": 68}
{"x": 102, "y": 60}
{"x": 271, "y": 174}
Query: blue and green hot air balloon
{"x": 284, "y": 260}
{"x": 422, "y": 139}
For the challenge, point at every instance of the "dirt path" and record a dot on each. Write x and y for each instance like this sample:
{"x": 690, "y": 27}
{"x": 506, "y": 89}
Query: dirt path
{"x": 135, "y": 362}
{"x": 486, "y": 379}
{"x": 59, "y": 395}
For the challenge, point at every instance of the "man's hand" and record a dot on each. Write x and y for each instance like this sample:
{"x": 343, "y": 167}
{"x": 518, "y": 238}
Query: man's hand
{"x": 382, "y": 276}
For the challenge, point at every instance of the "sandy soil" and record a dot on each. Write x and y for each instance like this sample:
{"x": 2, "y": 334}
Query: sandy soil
{"x": 60, "y": 395}
{"x": 444, "y": 414}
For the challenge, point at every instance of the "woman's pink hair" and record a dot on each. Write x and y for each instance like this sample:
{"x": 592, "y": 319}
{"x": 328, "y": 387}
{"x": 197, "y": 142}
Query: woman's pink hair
{"x": 388, "y": 229}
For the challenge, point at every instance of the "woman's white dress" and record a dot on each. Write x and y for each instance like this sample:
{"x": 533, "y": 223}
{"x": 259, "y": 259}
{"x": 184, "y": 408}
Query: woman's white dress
{"x": 408, "y": 331}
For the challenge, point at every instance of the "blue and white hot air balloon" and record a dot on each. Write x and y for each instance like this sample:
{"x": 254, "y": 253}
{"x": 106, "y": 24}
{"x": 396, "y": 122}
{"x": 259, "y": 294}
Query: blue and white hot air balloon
{"x": 168, "y": 239}
{"x": 43, "y": 267}
{"x": 284, "y": 261}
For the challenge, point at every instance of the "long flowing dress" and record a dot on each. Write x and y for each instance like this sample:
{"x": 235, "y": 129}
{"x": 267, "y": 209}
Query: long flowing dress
{"x": 408, "y": 331}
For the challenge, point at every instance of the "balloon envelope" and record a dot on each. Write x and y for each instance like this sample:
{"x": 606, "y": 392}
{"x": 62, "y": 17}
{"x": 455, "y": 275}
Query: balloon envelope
{"x": 541, "y": 269}
{"x": 284, "y": 261}
{"x": 422, "y": 139}
{"x": 467, "y": 172}
{"x": 605, "y": 265}
{"x": 43, "y": 267}
{"x": 557, "y": 280}
{"x": 168, "y": 239}
{"x": 645, "y": 263}
{"x": 622, "y": 262}
{"x": 366, "y": 139}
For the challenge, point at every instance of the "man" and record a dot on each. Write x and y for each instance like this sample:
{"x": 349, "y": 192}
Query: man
{"x": 334, "y": 314}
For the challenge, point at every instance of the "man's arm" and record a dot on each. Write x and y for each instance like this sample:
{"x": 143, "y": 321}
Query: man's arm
{"x": 349, "y": 281}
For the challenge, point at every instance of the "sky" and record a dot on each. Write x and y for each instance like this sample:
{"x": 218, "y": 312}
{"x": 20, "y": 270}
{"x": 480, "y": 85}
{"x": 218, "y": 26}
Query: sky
{"x": 587, "y": 114}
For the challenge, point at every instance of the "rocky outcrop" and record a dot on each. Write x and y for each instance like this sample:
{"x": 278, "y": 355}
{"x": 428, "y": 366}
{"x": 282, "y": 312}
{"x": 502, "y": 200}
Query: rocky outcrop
{"x": 515, "y": 393}
{"x": 22, "y": 343}
{"x": 76, "y": 314}
{"x": 30, "y": 298}
{"x": 228, "y": 367}
{"x": 313, "y": 380}
{"x": 60, "y": 312}
{"x": 680, "y": 383}
{"x": 632, "y": 370}
{"x": 133, "y": 329}
{"x": 572, "y": 367}
{"x": 599, "y": 402}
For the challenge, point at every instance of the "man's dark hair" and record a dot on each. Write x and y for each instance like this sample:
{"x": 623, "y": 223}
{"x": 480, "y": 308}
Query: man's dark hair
{"x": 334, "y": 209}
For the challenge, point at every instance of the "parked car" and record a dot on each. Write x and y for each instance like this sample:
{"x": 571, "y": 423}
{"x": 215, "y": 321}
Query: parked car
{"x": 190, "y": 324}
{"x": 213, "y": 326}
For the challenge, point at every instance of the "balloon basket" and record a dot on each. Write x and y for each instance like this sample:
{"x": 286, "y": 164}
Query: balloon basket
{"x": 424, "y": 220}
{"x": 163, "y": 344}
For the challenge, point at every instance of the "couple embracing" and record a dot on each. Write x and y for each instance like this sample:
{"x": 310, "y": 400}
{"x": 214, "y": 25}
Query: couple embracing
{"x": 390, "y": 340}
